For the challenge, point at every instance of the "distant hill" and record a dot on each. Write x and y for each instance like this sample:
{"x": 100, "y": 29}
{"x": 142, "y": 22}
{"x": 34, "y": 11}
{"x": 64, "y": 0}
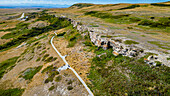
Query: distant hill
{"x": 81, "y": 5}
{"x": 34, "y": 6}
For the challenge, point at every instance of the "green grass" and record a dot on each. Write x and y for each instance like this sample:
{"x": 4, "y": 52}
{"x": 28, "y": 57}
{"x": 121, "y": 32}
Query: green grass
{"x": 162, "y": 23}
{"x": 72, "y": 36}
{"x": 161, "y": 45}
{"x": 129, "y": 42}
{"x": 25, "y": 34}
{"x": 122, "y": 75}
{"x": 126, "y": 75}
{"x": 11, "y": 92}
{"x": 7, "y": 65}
{"x": 29, "y": 73}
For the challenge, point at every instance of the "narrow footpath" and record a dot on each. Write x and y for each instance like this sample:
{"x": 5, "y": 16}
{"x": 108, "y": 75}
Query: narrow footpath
{"x": 67, "y": 66}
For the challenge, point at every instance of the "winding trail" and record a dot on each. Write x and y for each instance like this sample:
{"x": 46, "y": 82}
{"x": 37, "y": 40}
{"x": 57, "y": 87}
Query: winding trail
{"x": 68, "y": 66}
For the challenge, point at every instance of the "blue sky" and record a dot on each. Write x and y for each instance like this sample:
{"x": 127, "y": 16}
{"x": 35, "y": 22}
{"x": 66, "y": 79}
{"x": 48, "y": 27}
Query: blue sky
{"x": 70, "y": 2}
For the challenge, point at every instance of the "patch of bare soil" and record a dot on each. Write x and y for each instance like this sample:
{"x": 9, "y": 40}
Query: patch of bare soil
{"x": 68, "y": 85}
{"x": 11, "y": 53}
{"x": 38, "y": 88}
{"x": 38, "y": 24}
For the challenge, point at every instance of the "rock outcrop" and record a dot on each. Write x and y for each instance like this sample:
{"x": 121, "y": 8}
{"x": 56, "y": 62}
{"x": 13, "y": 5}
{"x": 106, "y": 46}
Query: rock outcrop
{"x": 118, "y": 47}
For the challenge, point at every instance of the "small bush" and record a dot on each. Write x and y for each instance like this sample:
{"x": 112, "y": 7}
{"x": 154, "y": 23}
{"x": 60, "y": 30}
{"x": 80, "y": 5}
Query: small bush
{"x": 38, "y": 59}
{"x": 158, "y": 63}
{"x": 47, "y": 69}
{"x": 69, "y": 87}
{"x": 49, "y": 79}
{"x": 43, "y": 52}
{"x": 61, "y": 34}
{"x": 58, "y": 78}
{"x": 152, "y": 18}
{"x": 69, "y": 82}
{"x": 51, "y": 88}
{"x": 45, "y": 56}
{"x": 49, "y": 59}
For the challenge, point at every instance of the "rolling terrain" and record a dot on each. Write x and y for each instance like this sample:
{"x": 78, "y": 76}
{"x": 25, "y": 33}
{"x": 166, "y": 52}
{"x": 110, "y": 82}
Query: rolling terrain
{"x": 30, "y": 64}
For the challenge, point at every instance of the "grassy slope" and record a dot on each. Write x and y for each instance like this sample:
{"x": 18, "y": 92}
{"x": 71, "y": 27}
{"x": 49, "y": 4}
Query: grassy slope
{"x": 126, "y": 76}
{"x": 7, "y": 65}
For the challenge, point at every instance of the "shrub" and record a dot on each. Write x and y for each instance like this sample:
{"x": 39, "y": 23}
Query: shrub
{"x": 158, "y": 63}
{"x": 45, "y": 56}
{"x": 47, "y": 69}
{"x": 152, "y": 18}
{"x": 51, "y": 88}
{"x": 58, "y": 78}
{"x": 61, "y": 34}
{"x": 49, "y": 59}
{"x": 69, "y": 82}
{"x": 49, "y": 79}
{"x": 43, "y": 52}
{"x": 69, "y": 87}
{"x": 38, "y": 59}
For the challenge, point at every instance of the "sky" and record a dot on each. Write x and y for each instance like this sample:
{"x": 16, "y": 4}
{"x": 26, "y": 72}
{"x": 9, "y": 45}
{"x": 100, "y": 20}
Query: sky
{"x": 70, "y": 2}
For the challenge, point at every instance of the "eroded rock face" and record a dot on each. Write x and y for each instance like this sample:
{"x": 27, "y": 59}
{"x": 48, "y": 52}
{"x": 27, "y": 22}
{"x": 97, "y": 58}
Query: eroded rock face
{"x": 38, "y": 24}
